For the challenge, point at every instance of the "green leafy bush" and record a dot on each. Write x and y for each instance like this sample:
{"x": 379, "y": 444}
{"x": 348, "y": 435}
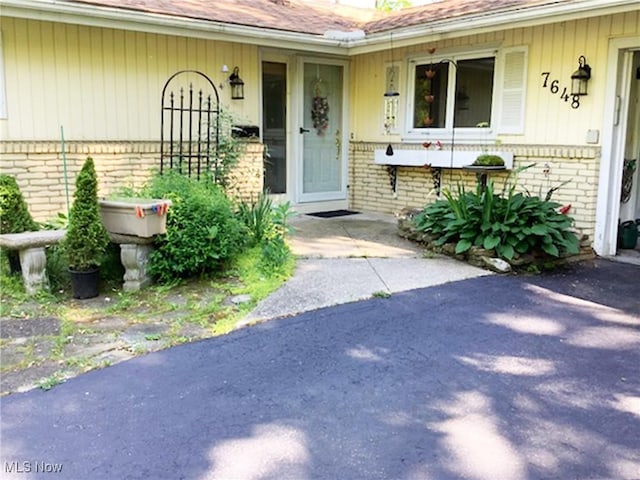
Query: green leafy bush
{"x": 58, "y": 269}
{"x": 60, "y": 221}
{"x": 86, "y": 240}
{"x": 512, "y": 224}
{"x": 275, "y": 251}
{"x": 14, "y": 215}
{"x": 202, "y": 231}
{"x": 268, "y": 226}
{"x": 229, "y": 149}
{"x": 257, "y": 216}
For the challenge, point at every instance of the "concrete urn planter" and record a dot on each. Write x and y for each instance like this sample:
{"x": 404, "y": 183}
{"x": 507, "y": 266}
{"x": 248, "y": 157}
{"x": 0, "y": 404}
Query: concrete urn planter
{"x": 134, "y": 216}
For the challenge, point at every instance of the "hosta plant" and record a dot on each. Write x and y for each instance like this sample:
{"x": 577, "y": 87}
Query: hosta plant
{"x": 510, "y": 223}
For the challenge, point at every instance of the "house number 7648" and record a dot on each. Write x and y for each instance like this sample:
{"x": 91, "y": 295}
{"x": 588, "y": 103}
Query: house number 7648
{"x": 554, "y": 88}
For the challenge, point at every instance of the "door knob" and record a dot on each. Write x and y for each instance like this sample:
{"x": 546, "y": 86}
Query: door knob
{"x": 304, "y": 130}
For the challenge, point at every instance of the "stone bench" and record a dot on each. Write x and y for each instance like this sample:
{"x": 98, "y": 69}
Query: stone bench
{"x": 33, "y": 260}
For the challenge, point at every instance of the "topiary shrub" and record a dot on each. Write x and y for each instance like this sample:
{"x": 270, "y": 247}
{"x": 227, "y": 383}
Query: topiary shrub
{"x": 14, "y": 215}
{"x": 202, "y": 231}
{"x": 87, "y": 239}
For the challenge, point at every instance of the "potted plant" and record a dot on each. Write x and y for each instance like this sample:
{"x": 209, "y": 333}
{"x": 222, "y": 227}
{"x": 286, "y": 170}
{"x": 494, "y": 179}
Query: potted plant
{"x": 488, "y": 160}
{"x": 86, "y": 240}
{"x": 14, "y": 215}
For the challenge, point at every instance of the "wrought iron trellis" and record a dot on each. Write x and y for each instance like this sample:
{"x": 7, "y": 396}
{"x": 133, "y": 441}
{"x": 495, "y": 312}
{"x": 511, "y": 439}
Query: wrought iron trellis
{"x": 181, "y": 150}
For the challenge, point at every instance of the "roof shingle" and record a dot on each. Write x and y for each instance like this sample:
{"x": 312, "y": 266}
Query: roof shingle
{"x": 316, "y": 17}
{"x": 288, "y": 15}
{"x": 447, "y": 9}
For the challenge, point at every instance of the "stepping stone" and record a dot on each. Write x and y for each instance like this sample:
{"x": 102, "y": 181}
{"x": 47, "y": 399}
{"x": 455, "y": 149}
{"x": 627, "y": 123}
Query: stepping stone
{"x": 18, "y": 328}
{"x": 23, "y": 380}
{"x": 191, "y": 330}
{"x": 138, "y": 336}
{"x": 108, "y": 324}
{"x": 85, "y": 346}
{"x": 239, "y": 299}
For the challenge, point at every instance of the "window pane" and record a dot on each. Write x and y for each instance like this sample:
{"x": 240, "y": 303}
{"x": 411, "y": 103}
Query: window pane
{"x": 430, "y": 96}
{"x": 474, "y": 89}
{"x": 274, "y": 125}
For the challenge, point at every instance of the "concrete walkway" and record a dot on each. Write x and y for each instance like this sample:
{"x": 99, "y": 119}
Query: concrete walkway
{"x": 354, "y": 257}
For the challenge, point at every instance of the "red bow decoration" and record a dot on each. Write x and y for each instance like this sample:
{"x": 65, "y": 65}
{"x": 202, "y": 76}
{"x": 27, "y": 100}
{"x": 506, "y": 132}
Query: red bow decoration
{"x": 565, "y": 209}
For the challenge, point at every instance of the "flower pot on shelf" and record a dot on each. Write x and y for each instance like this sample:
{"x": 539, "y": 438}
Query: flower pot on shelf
{"x": 133, "y": 216}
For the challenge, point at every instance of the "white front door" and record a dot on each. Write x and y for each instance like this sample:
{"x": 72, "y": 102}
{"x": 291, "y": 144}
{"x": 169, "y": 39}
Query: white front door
{"x": 322, "y": 169}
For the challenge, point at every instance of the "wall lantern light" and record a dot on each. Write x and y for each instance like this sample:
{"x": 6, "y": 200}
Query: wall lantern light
{"x": 237, "y": 85}
{"x": 580, "y": 77}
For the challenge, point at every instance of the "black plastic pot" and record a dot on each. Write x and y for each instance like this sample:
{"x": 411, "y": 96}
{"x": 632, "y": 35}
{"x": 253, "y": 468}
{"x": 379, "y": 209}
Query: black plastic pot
{"x": 628, "y": 234}
{"x": 85, "y": 284}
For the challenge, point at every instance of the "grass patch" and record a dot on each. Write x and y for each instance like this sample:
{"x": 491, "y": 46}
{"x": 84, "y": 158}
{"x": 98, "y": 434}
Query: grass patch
{"x": 256, "y": 282}
{"x": 51, "y": 381}
{"x": 253, "y": 281}
{"x": 381, "y": 294}
{"x": 67, "y": 332}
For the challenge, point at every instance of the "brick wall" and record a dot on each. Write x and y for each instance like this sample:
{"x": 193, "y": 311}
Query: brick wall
{"x": 39, "y": 170}
{"x": 369, "y": 187}
{"x": 246, "y": 180}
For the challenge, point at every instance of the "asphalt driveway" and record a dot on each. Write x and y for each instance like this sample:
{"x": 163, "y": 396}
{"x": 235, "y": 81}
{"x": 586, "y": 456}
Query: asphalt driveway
{"x": 487, "y": 378}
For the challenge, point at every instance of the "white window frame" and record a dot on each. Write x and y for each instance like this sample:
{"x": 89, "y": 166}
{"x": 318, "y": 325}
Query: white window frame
{"x": 462, "y": 134}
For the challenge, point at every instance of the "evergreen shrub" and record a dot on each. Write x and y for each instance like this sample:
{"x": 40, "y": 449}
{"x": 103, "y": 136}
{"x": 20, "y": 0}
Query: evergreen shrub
{"x": 87, "y": 239}
{"x": 14, "y": 215}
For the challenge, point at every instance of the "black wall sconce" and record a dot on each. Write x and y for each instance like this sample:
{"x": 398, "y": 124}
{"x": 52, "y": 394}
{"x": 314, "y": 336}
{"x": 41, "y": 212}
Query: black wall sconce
{"x": 237, "y": 85}
{"x": 580, "y": 77}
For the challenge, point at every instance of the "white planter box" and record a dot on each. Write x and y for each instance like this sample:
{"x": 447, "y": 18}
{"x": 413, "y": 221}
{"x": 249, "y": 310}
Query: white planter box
{"x": 139, "y": 217}
{"x": 436, "y": 158}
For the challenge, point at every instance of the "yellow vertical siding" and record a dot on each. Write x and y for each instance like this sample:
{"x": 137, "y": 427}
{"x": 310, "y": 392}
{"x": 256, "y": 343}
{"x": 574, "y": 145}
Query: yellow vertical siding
{"x": 554, "y": 48}
{"x": 105, "y": 84}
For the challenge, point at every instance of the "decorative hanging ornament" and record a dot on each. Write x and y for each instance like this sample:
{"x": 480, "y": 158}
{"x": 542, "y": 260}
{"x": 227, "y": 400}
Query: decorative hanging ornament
{"x": 320, "y": 113}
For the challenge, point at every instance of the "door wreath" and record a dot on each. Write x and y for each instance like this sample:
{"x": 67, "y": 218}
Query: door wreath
{"x": 320, "y": 112}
